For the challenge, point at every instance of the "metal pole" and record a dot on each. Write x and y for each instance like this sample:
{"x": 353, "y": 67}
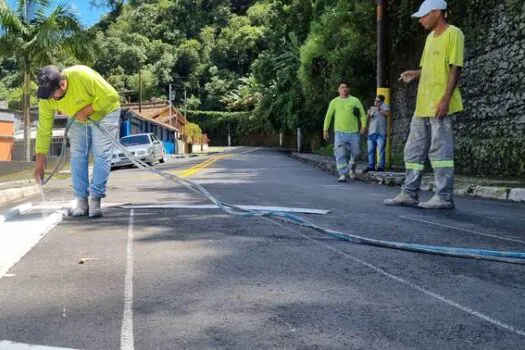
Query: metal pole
{"x": 140, "y": 90}
{"x": 229, "y": 136}
{"x": 299, "y": 140}
{"x": 383, "y": 87}
{"x": 169, "y": 99}
{"x": 185, "y": 108}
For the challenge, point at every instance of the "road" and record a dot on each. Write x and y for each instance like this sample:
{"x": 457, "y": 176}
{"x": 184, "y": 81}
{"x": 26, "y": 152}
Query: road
{"x": 201, "y": 279}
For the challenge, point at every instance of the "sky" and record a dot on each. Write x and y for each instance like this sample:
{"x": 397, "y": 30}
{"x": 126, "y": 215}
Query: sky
{"x": 88, "y": 15}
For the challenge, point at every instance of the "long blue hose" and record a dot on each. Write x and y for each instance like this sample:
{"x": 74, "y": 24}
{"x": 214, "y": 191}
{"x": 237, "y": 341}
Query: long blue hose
{"x": 472, "y": 253}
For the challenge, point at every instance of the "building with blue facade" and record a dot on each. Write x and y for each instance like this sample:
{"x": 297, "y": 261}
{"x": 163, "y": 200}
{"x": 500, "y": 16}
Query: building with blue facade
{"x": 157, "y": 119}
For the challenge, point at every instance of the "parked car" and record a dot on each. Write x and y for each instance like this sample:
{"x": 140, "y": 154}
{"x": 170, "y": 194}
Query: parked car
{"x": 146, "y": 147}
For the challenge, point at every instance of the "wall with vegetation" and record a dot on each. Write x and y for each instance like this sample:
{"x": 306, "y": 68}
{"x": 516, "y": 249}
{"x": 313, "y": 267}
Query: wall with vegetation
{"x": 490, "y": 133}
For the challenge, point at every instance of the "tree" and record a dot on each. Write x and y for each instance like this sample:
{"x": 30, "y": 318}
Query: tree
{"x": 35, "y": 36}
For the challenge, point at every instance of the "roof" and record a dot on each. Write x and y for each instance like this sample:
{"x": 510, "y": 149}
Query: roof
{"x": 159, "y": 114}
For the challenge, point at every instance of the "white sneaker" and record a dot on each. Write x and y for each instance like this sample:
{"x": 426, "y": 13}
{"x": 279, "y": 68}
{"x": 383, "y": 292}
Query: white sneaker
{"x": 342, "y": 178}
{"x": 351, "y": 174}
{"x": 437, "y": 203}
{"x": 402, "y": 199}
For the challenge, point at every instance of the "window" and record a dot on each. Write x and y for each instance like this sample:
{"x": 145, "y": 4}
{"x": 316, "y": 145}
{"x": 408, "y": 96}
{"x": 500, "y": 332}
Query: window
{"x": 135, "y": 140}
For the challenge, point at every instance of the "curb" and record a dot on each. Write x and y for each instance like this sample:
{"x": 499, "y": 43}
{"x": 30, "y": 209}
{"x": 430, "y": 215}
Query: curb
{"x": 397, "y": 179}
{"x": 17, "y": 192}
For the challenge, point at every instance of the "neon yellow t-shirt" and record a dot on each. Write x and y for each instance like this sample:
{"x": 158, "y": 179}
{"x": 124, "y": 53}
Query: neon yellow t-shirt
{"x": 345, "y": 120}
{"x": 84, "y": 87}
{"x": 439, "y": 54}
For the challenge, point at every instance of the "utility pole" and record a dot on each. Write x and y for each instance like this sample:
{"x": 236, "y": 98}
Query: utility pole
{"x": 26, "y": 100}
{"x": 169, "y": 99}
{"x": 185, "y": 108}
{"x": 383, "y": 87}
{"x": 140, "y": 90}
{"x": 229, "y": 136}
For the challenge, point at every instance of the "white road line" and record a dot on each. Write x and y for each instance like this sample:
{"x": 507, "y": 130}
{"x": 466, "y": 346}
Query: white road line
{"x": 11, "y": 213}
{"x": 9, "y": 345}
{"x": 126, "y": 335}
{"x": 463, "y": 229}
{"x": 411, "y": 284}
{"x": 177, "y": 205}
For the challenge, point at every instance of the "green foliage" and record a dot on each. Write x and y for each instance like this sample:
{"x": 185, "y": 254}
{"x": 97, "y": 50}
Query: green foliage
{"x": 193, "y": 132}
{"x": 338, "y": 47}
{"x": 14, "y": 97}
{"x": 327, "y": 150}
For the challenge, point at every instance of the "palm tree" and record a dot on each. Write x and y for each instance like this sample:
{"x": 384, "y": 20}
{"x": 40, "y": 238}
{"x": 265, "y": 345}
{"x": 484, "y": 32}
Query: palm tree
{"x": 35, "y": 36}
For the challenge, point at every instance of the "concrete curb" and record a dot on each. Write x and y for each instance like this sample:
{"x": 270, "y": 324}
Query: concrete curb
{"x": 17, "y": 191}
{"x": 397, "y": 179}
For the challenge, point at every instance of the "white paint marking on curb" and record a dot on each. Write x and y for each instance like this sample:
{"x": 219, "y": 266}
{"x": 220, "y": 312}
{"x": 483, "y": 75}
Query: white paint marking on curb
{"x": 11, "y": 213}
{"x": 126, "y": 335}
{"x": 13, "y": 256}
{"x": 213, "y": 206}
{"x": 411, "y": 284}
{"x": 463, "y": 229}
{"x": 9, "y": 345}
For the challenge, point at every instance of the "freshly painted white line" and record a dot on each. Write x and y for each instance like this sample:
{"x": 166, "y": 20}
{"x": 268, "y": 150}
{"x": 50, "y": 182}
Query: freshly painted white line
{"x": 464, "y": 230}
{"x": 410, "y": 284}
{"x": 213, "y": 206}
{"x": 9, "y": 345}
{"x": 11, "y": 213}
{"x": 54, "y": 205}
{"x": 18, "y": 237}
{"x": 126, "y": 334}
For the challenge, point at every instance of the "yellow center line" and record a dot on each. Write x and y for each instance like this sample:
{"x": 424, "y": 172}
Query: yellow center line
{"x": 198, "y": 167}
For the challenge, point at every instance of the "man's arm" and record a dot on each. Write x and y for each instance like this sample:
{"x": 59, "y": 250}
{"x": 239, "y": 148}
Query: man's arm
{"x": 410, "y": 75}
{"x": 363, "y": 117}
{"x": 328, "y": 120}
{"x": 104, "y": 95}
{"x": 84, "y": 113}
{"x": 452, "y": 83}
{"x": 43, "y": 138}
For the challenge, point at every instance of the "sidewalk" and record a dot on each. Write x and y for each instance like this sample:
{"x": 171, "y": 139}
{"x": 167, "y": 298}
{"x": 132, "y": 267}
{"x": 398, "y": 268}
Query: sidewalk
{"x": 501, "y": 189}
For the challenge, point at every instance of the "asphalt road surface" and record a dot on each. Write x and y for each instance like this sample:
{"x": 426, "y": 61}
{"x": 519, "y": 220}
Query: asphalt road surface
{"x": 202, "y": 279}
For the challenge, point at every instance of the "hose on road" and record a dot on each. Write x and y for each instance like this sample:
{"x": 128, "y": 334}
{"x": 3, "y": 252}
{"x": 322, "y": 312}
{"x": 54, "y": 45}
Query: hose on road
{"x": 514, "y": 257}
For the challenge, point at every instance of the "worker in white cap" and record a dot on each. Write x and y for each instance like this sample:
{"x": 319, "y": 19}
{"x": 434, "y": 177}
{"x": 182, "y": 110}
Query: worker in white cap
{"x": 438, "y": 98}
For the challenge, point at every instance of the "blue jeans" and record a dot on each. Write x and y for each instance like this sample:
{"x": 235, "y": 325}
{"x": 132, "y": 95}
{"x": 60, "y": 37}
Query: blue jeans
{"x": 345, "y": 142}
{"x": 86, "y": 137}
{"x": 376, "y": 141}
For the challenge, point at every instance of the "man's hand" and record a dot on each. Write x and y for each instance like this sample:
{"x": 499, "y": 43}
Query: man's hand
{"x": 409, "y": 75}
{"x": 363, "y": 131}
{"x": 442, "y": 107}
{"x": 40, "y": 167}
{"x": 326, "y": 135}
{"x": 81, "y": 117}
{"x": 84, "y": 113}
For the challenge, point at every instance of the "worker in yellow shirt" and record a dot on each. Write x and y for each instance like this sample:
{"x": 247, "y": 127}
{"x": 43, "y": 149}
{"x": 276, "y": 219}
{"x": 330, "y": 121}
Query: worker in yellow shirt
{"x": 349, "y": 123}
{"x": 79, "y": 92}
{"x": 438, "y": 98}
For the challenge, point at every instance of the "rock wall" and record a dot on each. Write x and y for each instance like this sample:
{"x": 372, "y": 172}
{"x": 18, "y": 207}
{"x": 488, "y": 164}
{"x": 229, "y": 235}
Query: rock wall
{"x": 490, "y": 133}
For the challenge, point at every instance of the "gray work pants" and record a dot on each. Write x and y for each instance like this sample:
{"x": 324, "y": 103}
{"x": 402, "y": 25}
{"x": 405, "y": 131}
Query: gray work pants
{"x": 432, "y": 138}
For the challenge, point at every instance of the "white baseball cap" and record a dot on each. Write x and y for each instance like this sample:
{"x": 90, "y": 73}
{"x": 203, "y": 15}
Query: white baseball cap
{"x": 429, "y": 5}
